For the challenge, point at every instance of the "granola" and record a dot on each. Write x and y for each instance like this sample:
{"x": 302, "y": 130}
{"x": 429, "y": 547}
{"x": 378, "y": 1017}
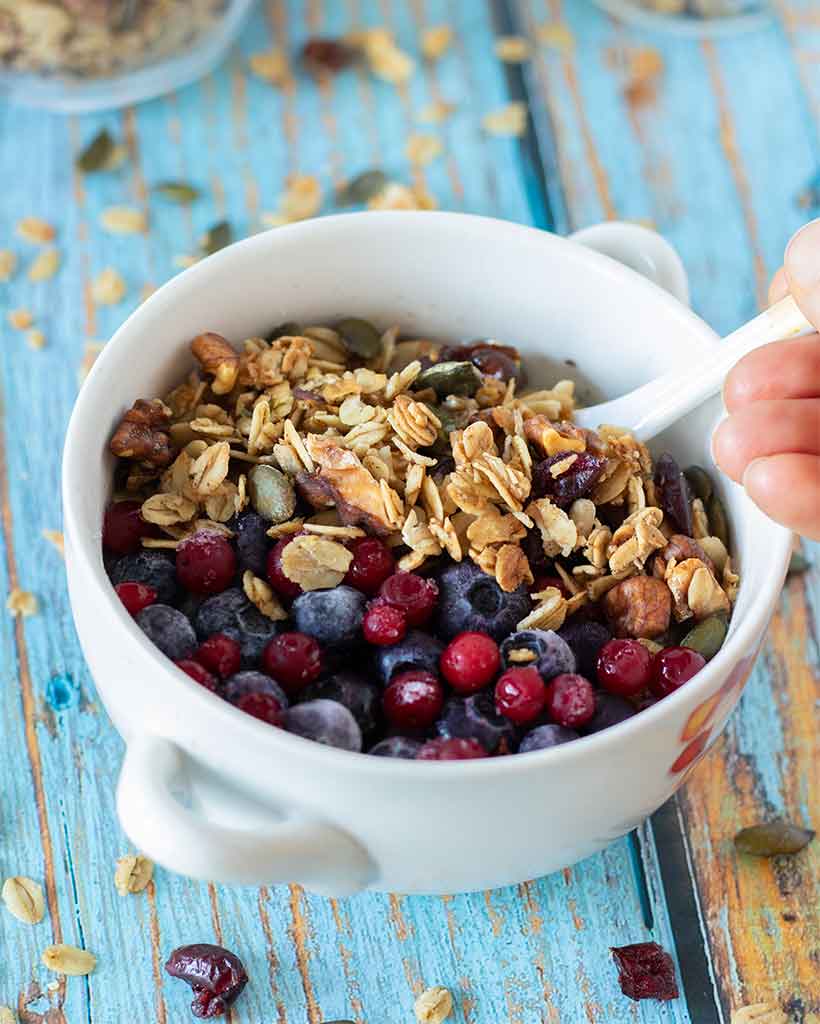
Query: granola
{"x": 332, "y": 437}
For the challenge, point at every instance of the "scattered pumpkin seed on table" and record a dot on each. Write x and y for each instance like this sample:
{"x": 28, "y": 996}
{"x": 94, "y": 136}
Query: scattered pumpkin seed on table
{"x": 177, "y": 192}
{"x": 773, "y": 839}
{"x": 95, "y": 155}
{"x": 217, "y": 237}
{"x": 361, "y": 188}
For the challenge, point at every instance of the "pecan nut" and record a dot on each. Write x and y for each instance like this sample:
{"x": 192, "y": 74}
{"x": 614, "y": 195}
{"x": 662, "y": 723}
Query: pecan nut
{"x": 142, "y": 435}
{"x": 680, "y": 547}
{"x": 218, "y": 358}
{"x": 640, "y": 606}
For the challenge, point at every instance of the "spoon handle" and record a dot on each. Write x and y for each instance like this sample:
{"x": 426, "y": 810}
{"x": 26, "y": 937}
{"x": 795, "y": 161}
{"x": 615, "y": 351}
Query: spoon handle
{"x": 651, "y": 408}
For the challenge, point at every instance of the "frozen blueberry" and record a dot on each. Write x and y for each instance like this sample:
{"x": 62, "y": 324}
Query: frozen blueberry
{"x": 553, "y": 654}
{"x": 475, "y": 718}
{"x": 417, "y": 650}
{"x": 545, "y": 736}
{"x": 397, "y": 746}
{"x": 361, "y": 697}
{"x": 471, "y": 601}
{"x": 169, "y": 630}
{"x": 243, "y": 683}
{"x": 586, "y": 640}
{"x": 152, "y": 567}
{"x": 333, "y": 617}
{"x": 233, "y": 614}
{"x": 609, "y": 710}
{"x": 325, "y": 721}
{"x": 252, "y": 543}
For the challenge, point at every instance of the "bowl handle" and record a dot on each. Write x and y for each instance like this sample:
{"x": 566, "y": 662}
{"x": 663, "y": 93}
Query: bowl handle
{"x": 642, "y": 249}
{"x": 297, "y": 849}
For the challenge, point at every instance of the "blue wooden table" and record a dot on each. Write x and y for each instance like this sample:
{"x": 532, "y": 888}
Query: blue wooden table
{"x": 715, "y": 143}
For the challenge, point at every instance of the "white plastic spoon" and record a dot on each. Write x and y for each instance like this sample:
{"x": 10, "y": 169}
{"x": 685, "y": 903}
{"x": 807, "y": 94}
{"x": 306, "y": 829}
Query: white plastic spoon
{"x": 652, "y": 407}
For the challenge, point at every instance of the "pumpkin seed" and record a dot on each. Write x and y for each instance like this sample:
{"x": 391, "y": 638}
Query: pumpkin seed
{"x": 217, "y": 237}
{"x": 360, "y": 337}
{"x": 95, "y": 156}
{"x": 718, "y": 523}
{"x": 707, "y": 637}
{"x": 178, "y": 192}
{"x": 798, "y": 564}
{"x": 361, "y": 188}
{"x": 272, "y": 495}
{"x": 285, "y": 330}
{"x": 700, "y": 482}
{"x": 773, "y": 839}
{"x": 450, "y": 379}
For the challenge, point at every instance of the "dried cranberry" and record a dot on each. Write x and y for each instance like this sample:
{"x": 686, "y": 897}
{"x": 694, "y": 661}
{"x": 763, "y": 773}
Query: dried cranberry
{"x": 372, "y": 563}
{"x": 220, "y": 654}
{"x": 124, "y": 527}
{"x": 520, "y": 695}
{"x": 281, "y": 583}
{"x": 198, "y": 673}
{"x": 206, "y": 563}
{"x": 215, "y": 975}
{"x": 383, "y": 624}
{"x": 672, "y": 667}
{"x": 574, "y": 482}
{"x": 451, "y": 750}
{"x": 261, "y": 706}
{"x": 413, "y": 700}
{"x": 415, "y": 596}
{"x": 294, "y": 660}
{"x": 544, "y": 580}
{"x": 494, "y": 363}
{"x": 135, "y": 596}
{"x": 470, "y": 661}
{"x": 674, "y": 493}
{"x": 645, "y": 971}
{"x": 570, "y": 700}
{"x": 323, "y": 55}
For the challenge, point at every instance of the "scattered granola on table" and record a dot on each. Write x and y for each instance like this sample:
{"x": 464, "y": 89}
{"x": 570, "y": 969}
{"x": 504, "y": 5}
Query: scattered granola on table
{"x": 507, "y": 580}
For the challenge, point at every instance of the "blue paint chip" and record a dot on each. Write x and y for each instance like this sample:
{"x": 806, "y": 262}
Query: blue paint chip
{"x": 62, "y": 692}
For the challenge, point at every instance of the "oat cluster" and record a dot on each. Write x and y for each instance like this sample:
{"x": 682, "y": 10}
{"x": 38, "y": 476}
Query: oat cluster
{"x": 336, "y": 433}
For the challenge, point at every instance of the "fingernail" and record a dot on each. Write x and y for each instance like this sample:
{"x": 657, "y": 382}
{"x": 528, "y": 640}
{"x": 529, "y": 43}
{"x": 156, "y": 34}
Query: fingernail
{"x": 802, "y": 260}
{"x": 752, "y": 474}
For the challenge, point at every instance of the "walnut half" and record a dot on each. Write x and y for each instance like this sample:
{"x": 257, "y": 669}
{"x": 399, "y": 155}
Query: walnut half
{"x": 640, "y": 606}
{"x": 141, "y": 434}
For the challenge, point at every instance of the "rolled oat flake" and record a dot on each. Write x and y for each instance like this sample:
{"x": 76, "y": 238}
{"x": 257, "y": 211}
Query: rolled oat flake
{"x": 65, "y": 959}
{"x": 433, "y": 1006}
{"x": 24, "y": 898}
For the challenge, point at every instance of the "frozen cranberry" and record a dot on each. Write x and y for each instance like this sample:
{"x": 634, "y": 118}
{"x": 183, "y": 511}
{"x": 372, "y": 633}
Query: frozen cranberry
{"x": 220, "y": 654}
{"x": 215, "y": 975}
{"x": 413, "y": 700}
{"x": 294, "y": 660}
{"x": 672, "y": 667}
{"x": 470, "y": 661}
{"x": 570, "y": 700}
{"x": 261, "y": 706}
{"x": 326, "y": 55}
{"x": 520, "y": 695}
{"x": 372, "y": 563}
{"x": 124, "y": 527}
{"x": 415, "y": 596}
{"x": 135, "y": 596}
{"x": 645, "y": 971}
{"x": 276, "y": 576}
{"x": 384, "y": 625}
{"x": 451, "y": 750}
{"x": 199, "y": 673}
{"x": 206, "y": 563}
{"x": 624, "y": 667}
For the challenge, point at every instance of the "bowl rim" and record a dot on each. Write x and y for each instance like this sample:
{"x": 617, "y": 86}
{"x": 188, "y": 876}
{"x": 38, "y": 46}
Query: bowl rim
{"x": 82, "y": 549}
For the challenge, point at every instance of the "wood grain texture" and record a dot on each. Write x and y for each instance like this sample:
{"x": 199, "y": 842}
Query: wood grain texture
{"x": 694, "y": 160}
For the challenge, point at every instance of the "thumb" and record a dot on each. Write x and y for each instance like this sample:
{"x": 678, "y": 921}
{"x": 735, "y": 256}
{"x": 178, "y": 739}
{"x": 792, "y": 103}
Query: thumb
{"x": 802, "y": 266}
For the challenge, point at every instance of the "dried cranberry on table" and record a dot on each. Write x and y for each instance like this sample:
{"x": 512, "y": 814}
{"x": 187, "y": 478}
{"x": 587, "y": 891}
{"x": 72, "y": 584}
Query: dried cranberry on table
{"x": 645, "y": 971}
{"x": 216, "y": 977}
{"x": 327, "y": 55}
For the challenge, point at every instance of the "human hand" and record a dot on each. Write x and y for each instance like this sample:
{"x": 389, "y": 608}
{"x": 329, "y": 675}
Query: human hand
{"x": 770, "y": 441}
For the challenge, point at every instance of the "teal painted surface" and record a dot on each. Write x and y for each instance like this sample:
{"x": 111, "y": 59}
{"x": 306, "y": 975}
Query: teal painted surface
{"x": 696, "y": 160}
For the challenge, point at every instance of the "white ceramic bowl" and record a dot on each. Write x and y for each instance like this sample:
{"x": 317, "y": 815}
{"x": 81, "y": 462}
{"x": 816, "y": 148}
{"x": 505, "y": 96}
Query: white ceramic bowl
{"x": 209, "y": 791}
